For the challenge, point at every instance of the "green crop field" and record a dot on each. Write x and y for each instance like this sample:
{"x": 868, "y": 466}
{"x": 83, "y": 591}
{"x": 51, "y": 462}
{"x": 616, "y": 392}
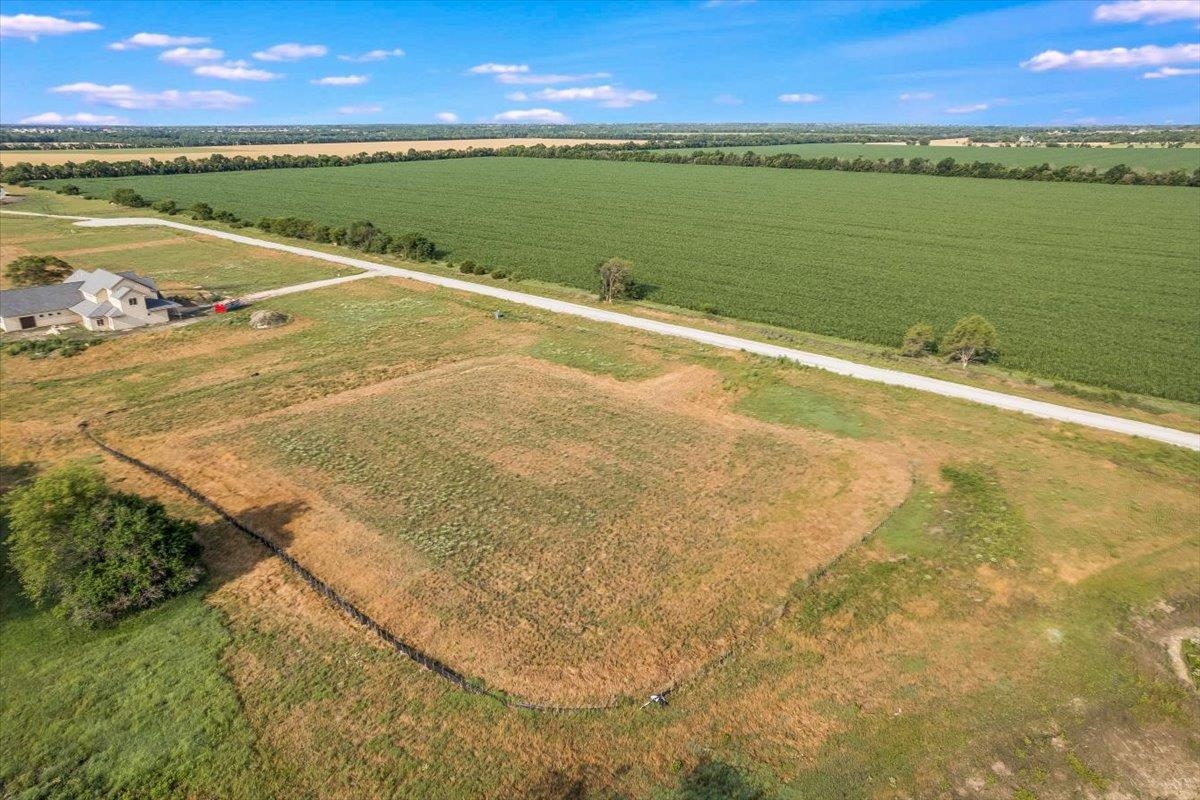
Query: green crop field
{"x": 1151, "y": 159}
{"x": 1093, "y": 283}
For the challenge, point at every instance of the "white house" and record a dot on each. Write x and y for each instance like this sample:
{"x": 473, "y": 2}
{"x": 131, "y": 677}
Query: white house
{"x": 99, "y": 300}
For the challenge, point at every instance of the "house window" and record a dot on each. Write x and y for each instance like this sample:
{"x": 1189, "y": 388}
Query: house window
{"x": 133, "y": 301}
{"x": 99, "y": 321}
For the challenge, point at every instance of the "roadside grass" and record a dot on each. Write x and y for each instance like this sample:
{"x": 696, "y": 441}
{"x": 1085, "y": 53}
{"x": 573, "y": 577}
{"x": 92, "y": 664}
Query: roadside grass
{"x": 175, "y": 259}
{"x": 789, "y": 405}
{"x": 1073, "y": 298}
{"x": 590, "y": 350}
{"x": 143, "y": 709}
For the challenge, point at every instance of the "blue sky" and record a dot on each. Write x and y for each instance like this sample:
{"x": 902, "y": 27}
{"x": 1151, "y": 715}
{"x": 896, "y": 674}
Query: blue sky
{"x": 207, "y": 63}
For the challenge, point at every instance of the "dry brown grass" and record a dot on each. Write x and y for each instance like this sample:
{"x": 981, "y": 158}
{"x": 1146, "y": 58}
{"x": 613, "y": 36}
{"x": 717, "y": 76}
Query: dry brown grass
{"x": 625, "y": 544}
{"x": 254, "y": 150}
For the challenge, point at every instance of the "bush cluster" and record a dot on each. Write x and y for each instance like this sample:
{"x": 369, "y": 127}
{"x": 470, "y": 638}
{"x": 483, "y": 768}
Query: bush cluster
{"x": 65, "y": 346}
{"x": 92, "y": 554}
{"x": 361, "y": 235}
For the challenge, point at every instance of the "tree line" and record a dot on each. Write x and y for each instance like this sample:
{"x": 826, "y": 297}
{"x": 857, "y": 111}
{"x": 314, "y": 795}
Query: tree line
{"x": 118, "y": 136}
{"x": 25, "y": 172}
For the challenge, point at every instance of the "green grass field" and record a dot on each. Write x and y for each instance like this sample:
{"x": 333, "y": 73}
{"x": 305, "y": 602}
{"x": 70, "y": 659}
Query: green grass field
{"x": 1091, "y": 283}
{"x": 1151, "y": 159}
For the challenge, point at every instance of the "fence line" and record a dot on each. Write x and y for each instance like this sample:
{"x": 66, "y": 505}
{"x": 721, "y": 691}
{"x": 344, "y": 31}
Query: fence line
{"x": 348, "y": 608}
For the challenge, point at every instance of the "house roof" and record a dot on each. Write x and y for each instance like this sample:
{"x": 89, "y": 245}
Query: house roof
{"x": 69, "y": 295}
{"x": 37, "y": 299}
{"x": 155, "y": 303}
{"x": 86, "y": 308}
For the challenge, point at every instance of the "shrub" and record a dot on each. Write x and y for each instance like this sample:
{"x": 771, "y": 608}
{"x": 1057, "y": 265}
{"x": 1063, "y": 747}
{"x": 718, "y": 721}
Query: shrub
{"x": 919, "y": 340}
{"x": 92, "y": 554}
{"x": 166, "y": 206}
{"x": 69, "y": 188}
{"x": 201, "y": 211}
{"x": 710, "y": 309}
{"x": 128, "y": 197}
{"x": 37, "y": 270}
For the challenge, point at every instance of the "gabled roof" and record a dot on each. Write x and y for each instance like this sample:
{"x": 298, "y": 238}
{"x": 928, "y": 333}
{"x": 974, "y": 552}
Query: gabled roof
{"x": 38, "y": 299}
{"x": 86, "y": 308}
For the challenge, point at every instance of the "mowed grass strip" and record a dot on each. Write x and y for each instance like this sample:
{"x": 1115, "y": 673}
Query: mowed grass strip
{"x": 1091, "y": 283}
{"x": 1147, "y": 159}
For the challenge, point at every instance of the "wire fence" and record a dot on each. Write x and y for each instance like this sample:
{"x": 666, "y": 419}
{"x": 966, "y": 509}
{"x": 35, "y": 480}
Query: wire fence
{"x": 442, "y": 670}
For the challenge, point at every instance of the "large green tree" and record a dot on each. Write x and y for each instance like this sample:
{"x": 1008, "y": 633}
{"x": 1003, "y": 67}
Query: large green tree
{"x": 972, "y": 338}
{"x": 37, "y": 270}
{"x": 92, "y": 554}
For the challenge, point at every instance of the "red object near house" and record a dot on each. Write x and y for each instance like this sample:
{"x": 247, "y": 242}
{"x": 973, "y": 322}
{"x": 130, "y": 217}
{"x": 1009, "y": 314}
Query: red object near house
{"x": 219, "y": 308}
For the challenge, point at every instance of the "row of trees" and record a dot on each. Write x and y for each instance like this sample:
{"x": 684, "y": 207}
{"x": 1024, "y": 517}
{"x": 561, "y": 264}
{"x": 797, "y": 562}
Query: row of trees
{"x": 118, "y": 136}
{"x": 972, "y": 338}
{"x": 37, "y": 270}
{"x": 25, "y": 172}
{"x": 360, "y": 235}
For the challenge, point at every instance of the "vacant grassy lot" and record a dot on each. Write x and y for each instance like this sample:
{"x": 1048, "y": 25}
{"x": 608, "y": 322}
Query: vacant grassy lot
{"x": 1077, "y": 278}
{"x": 1151, "y": 159}
{"x": 997, "y": 637}
{"x": 178, "y": 261}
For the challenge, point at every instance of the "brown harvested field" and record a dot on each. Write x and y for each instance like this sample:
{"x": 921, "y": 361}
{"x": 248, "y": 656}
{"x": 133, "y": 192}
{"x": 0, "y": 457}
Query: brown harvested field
{"x": 300, "y": 149}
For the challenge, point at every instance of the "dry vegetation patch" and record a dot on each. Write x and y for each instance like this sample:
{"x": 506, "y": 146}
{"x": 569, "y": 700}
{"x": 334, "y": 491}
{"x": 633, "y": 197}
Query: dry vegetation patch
{"x": 554, "y": 533}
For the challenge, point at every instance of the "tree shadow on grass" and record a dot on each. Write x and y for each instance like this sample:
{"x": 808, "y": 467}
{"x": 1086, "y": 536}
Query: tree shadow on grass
{"x": 230, "y": 553}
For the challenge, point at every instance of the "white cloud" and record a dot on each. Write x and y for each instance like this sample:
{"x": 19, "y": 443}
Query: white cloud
{"x": 909, "y": 96}
{"x": 340, "y": 80}
{"x": 492, "y": 68}
{"x": 446, "y": 116}
{"x": 374, "y": 55}
{"x": 191, "y": 56}
{"x": 607, "y": 96}
{"x": 1152, "y": 12}
{"x": 364, "y": 109}
{"x": 970, "y": 108}
{"x": 1171, "y": 72}
{"x": 545, "y": 80}
{"x": 291, "y": 52}
{"x": 516, "y": 97}
{"x": 531, "y": 115}
{"x": 803, "y": 97}
{"x": 156, "y": 40}
{"x": 1116, "y": 57}
{"x": 235, "y": 71}
{"x": 124, "y": 96}
{"x": 82, "y": 118}
{"x": 727, "y": 100}
{"x": 31, "y": 26}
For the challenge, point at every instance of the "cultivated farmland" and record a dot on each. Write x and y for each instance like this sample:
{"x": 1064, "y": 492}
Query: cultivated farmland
{"x": 1150, "y": 159}
{"x": 1086, "y": 282}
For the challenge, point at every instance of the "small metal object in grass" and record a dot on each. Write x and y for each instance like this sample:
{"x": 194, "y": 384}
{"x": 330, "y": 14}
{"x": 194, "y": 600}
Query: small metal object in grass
{"x": 656, "y": 699}
{"x": 497, "y": 314}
